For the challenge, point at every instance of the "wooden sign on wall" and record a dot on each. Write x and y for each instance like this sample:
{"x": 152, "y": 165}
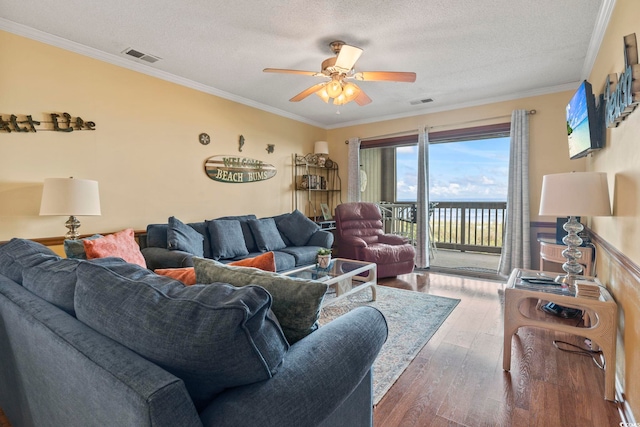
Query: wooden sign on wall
{"x": 622, "y": 94}
{"x": 235, "y": 169}
{"x": 59, "y": 123}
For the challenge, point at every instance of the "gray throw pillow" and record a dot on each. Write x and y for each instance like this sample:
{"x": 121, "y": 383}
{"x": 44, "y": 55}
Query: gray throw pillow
{"x": 181, "y": 237}
{"x": 297, "y": 227}
{"x": 296, "y": 302}
{"x": 266, "y": 234}
{"x": 19, "y": 254}
{"x": 74, "y": 248}
{"x": 227, "y": 240}
{"x": 212, "y": 337}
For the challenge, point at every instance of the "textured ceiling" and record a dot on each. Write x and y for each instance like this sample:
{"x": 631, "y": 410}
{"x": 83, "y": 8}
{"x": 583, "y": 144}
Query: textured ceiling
{"x": 464, "y": 52}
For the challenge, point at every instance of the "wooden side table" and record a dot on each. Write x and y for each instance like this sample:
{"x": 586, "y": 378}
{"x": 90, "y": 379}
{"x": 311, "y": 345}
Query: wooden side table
{"x": 550, "y": 251}
{"x": 603, "y": 313}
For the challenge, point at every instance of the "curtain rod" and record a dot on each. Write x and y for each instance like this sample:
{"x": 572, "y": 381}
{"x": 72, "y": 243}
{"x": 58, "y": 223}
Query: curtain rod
{"x": 529, "y": 112}
{"x": 402, "y": 132}
{"x": 410, "y": 131}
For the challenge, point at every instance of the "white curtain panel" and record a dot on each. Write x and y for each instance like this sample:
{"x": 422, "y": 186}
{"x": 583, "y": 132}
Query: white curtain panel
{"x": 516, "y": 243}
{"x": 353, "y": 171}
{"x": 422, "y": 220}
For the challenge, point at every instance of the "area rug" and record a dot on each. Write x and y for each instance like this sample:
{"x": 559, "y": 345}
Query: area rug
{"x": 412, "y": 317}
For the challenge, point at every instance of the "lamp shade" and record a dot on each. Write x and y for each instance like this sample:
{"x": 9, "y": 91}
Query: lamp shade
{"x": 575, "y": 194}
{"x": 69, "y": 196}
{"x": 321, "y": 147}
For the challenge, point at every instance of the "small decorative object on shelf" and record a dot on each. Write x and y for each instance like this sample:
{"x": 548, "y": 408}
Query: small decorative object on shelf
{"x": 318, "y": 188}
{"x": 324, "y": 257}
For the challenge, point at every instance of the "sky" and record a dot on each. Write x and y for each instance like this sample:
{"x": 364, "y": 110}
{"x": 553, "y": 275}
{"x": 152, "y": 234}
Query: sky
{"x": 458, "y": 171}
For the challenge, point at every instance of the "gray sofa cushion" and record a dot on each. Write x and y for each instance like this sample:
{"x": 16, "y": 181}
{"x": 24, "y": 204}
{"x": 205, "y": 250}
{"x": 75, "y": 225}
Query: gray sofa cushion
{"x": 212, "y": 337}
{"x": 297, "y": 227}
{"x": 249, "y": 241}
{"x": 296, "y": 302}
{"x": 54, "y": 280}
{"x": 18, "y": 254}
{"x": 266, "y": 234}
{"x": 227, "y": 239}
{"x": 181, "y": 237}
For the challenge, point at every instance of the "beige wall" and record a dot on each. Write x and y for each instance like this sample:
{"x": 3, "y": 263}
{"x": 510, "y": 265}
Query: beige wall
{"x": 621, "y": 161}
{"x": 548, "y": 149}
{"x": 144, "y": 152}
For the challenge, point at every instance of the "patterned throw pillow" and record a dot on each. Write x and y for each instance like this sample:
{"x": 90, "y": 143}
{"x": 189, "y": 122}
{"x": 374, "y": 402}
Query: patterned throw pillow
{"x": 121, "y": 244}
{"x": 265, "y": 262}
{"x": 187, "y": 275}
{"x": 74, "y": 248}
{"x": 296, "y": 302}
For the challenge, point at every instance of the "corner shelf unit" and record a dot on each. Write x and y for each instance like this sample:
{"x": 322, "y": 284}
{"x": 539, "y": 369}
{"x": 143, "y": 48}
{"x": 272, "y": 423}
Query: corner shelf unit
{"x": 315, "y": 185}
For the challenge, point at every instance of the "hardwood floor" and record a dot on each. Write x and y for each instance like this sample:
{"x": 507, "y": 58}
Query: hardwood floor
{"x": 457, "y": 378}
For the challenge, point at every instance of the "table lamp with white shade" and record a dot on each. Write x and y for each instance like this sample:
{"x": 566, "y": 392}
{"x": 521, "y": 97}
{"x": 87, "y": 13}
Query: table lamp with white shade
{"x": 574, "y": 194}
{"x": 73, "y": 197}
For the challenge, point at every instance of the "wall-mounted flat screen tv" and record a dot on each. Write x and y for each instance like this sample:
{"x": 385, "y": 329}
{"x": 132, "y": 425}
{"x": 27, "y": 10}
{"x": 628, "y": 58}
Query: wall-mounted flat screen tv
{"x": 583, "y": 123}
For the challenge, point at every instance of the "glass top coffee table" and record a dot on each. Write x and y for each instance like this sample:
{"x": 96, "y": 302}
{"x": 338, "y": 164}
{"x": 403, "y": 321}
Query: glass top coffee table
{"x": 346, "y": 276}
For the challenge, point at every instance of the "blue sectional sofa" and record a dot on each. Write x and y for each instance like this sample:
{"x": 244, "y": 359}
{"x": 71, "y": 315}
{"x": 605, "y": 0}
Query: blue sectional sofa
{"x": 293, "y": 238}
{"x": 109, "y": 343}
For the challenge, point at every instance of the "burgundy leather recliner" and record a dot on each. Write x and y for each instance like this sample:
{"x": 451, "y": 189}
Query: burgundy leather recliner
{"x": 360, "y": 236}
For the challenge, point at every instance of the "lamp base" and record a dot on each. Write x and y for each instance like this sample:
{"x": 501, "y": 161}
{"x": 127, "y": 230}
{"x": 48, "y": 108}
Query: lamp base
{"x": 72, "y": 224}
{"x": 572, "y": 267}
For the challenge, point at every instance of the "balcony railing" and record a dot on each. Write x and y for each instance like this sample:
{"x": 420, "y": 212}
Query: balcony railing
{"x": 462, "y": 226}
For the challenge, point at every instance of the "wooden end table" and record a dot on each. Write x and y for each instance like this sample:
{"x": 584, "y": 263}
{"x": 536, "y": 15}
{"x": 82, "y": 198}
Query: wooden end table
{"x": 602, "y": 313}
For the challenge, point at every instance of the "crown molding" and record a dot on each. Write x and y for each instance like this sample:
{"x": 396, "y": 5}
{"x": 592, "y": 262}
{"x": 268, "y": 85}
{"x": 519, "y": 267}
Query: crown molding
{"x": 50, "y": 39}
{"x": 600, "y": 28}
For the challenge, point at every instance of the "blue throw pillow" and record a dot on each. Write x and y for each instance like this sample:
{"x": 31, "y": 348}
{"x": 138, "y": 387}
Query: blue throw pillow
{"x": 227, "y": 239}
{"x": 212, "y": 337}
{"x": 297, "y": 227}
{"x": 74, "y": 248}
{"x": 181, "y": 237}
{"x": 266, "y": 234}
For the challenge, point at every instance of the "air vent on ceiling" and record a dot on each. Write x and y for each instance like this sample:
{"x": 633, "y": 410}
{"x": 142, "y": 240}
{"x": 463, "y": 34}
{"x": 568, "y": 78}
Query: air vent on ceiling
{"x": 139, "y": 55}
{"x": 421, "y": 101}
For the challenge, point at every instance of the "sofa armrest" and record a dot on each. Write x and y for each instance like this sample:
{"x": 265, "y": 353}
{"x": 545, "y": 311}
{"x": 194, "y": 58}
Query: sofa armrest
{"x": 392, "y": 239}
{"x": 322, "y": 238}
{"x": 319, "y": 374}
{"x": 164, "y": 258}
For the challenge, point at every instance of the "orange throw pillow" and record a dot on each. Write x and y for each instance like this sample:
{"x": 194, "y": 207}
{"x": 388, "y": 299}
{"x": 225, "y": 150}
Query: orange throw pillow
{"x": 121, "y": 244}
{"x": 186, "y": 275}
{"x": 266, "y": 262}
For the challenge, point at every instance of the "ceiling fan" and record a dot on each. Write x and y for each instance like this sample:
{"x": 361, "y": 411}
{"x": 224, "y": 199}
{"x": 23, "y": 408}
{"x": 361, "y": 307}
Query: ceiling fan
{"x": 339, "y": 72}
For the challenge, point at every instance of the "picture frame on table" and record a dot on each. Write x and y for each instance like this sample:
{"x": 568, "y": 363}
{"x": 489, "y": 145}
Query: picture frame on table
{"x": 326, "y": 213}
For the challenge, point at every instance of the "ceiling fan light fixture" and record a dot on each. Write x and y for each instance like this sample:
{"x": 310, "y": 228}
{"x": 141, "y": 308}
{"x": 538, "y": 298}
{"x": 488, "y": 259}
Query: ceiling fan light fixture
{"x": 350, "y": 91}
{"x": 334, "y": 88}
{"x": 322, "y": 93}
{"x": 340, "y": 100}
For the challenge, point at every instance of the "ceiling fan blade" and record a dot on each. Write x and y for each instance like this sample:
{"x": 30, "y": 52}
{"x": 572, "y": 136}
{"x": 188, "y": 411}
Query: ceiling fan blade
{"x": 287, "y": 71}
{"x": 362, "y": 98}
{"x": 302, "y": 95}
{"x": 347, "y": 57}
{"x": 390, "y": 76}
